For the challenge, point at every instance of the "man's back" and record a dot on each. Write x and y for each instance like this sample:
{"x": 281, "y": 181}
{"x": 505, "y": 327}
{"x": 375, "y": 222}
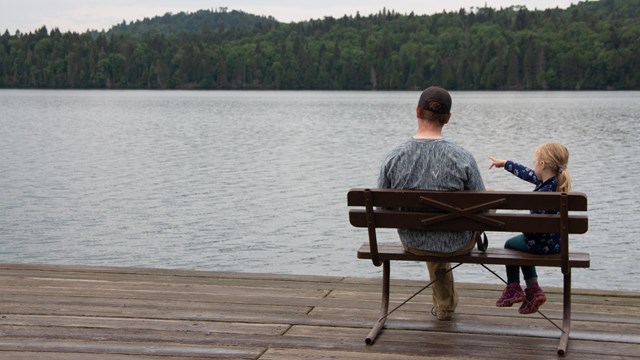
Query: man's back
{"x": 431, "y": 164}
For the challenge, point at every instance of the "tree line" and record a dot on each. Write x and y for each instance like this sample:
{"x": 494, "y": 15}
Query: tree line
{"x": 592, "y": 45}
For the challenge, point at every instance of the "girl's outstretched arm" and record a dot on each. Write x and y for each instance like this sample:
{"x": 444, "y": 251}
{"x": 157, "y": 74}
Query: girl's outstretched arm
{"x": 516, "y": 169}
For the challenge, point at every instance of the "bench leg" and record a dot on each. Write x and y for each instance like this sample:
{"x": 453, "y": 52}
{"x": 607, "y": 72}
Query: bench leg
{"x": 384, "y": 308}
{"x": 566, "y": 314}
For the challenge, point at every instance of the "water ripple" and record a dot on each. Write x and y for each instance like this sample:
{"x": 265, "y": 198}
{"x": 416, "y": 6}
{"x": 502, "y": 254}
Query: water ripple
{"x": 256, "y": 181}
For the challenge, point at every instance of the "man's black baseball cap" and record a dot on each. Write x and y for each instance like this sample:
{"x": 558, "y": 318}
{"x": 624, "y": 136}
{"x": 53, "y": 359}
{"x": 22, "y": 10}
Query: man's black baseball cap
{"x": 436, "y": 99}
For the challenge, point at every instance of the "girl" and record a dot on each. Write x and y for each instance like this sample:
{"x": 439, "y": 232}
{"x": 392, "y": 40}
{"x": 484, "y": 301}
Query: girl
{"x": 549, "y": 174}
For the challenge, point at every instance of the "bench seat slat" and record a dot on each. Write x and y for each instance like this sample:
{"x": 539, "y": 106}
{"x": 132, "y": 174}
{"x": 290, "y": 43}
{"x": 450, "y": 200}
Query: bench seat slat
{"x": 495, "y": 256}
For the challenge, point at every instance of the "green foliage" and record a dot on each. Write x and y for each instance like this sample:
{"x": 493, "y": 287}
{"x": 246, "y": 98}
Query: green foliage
{"x": 203, "y": 20}
{"x": 592, "y": 45}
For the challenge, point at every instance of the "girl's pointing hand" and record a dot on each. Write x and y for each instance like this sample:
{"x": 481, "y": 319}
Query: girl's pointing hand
{"x": 496, "y": 162}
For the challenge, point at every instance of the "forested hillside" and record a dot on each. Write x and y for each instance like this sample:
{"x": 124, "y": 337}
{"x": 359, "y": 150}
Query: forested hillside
{"x": 195, "y": 22}
{"x": 592, "y": 45}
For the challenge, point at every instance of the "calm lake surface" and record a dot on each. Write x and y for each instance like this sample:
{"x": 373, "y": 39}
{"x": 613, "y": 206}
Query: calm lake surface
{"x": 257, "y": 181}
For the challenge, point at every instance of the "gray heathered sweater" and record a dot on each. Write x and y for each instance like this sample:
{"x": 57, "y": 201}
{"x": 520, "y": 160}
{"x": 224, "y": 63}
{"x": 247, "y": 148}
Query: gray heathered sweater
{"x": 431, "y": 164}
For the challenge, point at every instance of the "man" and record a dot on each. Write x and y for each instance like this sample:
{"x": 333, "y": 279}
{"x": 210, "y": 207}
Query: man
{"x": 430, "y": 162}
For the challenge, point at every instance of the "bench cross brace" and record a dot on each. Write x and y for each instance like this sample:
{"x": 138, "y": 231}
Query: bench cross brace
{"x": 470, "y": 212}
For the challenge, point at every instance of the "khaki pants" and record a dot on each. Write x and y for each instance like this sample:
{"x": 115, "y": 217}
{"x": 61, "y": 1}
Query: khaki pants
{"x": 444, "y": 292}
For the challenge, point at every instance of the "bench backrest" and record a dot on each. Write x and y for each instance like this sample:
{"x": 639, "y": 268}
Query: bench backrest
{"x": 467, "y": 210}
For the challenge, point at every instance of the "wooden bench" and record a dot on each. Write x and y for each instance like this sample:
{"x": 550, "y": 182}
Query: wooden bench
{"x": 467, "y": 210}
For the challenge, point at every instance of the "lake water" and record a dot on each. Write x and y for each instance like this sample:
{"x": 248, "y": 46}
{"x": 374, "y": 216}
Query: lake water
{"x": 257, "y": 181}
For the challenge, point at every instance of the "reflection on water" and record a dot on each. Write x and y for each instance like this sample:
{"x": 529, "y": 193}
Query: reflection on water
{"x": 257, "y": 181}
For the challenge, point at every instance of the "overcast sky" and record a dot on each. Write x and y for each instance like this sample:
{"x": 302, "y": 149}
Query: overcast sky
{"x": 82, "y": 15}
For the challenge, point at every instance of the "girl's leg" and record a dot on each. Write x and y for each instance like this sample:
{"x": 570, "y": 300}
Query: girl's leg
{"x": 534, "y": 296}
{"x": 518, "y": 242}
{"x": 513, "y": 292}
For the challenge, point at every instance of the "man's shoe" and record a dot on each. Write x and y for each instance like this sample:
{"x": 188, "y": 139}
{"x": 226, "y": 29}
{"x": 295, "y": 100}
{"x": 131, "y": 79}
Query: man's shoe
{"x": 442, "y": 315}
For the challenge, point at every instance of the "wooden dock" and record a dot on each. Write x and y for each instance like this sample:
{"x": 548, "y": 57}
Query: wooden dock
{"x": 104, "y": 313}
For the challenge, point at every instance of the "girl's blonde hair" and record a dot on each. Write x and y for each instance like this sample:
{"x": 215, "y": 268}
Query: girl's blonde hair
{"x": 556, "y": 156}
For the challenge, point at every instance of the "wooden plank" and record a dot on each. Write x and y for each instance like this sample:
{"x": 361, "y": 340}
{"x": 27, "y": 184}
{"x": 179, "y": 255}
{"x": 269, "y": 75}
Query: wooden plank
{"x": 578, "y": 224}
{"x": 294, "y": 354}
{"x": 43, "y": 355}
{"x": 143, "y": 323}
{"x": 516, "y": 200}
{"x": 217, "y": 312}
{"x": 128, "y": 348}
{"x": 198, "y": 299}
{"x": 493, "y": 256}
{"x": 168, "y": 281}
{"x": 113, "y": 289}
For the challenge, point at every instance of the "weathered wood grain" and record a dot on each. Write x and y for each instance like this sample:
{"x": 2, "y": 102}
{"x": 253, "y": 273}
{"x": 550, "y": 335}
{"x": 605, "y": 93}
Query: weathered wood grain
{"x": 106, "y": 313}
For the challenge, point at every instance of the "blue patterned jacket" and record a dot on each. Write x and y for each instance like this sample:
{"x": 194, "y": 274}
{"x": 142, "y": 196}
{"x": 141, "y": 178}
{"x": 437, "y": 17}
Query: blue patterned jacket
{"x": 540, "y": 243}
